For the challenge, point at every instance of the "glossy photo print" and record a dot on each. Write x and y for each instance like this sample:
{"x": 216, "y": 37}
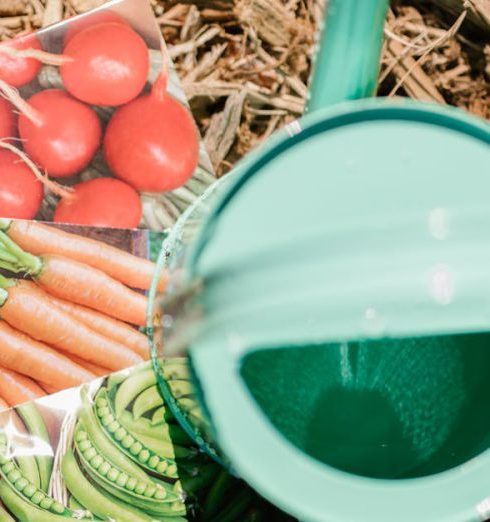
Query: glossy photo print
{"x": 94, "y": 126}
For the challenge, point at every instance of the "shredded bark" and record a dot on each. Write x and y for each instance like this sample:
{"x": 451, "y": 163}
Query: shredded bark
{"x": 245, "y": 64}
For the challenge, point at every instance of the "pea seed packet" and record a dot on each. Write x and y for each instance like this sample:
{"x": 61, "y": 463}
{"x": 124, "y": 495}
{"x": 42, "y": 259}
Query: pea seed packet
{"x": 111, "y": 450}
{"x": 95, "y": 128}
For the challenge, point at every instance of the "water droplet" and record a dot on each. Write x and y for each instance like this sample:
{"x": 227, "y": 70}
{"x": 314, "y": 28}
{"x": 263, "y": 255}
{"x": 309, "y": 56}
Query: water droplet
{"x": 167, "y": 321}
{"x": 294, "y": 128}
{"x": 373, "y": 322}
{"x": 441, "y": 285}
{"x": 438, "y": 223}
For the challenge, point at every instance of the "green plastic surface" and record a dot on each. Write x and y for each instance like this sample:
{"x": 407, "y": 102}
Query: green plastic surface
{"x": 347, "y": 62}
{"x": 347, "y": 330}
{"x": 344, "y": 344}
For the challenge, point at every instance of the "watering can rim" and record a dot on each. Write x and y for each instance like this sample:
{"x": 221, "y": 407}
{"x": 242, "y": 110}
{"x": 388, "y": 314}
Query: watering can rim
{"x": 329, "y": 118}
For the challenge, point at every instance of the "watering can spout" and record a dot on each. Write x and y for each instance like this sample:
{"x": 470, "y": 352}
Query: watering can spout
{"x": 347, "y": 64}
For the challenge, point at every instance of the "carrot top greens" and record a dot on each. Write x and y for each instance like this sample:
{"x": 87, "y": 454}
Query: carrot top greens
{"x": 14, "y": 259}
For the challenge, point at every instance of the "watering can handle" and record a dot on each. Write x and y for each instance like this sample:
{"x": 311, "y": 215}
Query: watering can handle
{"x": 347, "y": 63}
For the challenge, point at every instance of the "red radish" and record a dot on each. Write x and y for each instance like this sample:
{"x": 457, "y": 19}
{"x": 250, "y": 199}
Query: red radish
{"x": 21, "y": 193}
{"x": 59, "y": 133}
{"x": 80, "y": 23}
{"x": 19, "y": 70}
{"x": 8, "y": 126}
{"x": 109, "y": 64}
{"x": 101, "y": 202}
{"x": 152, "y": 143}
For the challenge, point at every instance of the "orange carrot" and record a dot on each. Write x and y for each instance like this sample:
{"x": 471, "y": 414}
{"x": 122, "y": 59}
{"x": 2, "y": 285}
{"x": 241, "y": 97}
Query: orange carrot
{"x": 49, "y": 388}
{"x": 87, "y": 286}
{"x": 112, "y": 328}
{"x": 76, "y": 282}
{"x": 3, "y": 405}
{"x": 39, "y": 239}
{"x": 36, "y": 360}
{"x": 96, "y": 370}
{"x": 17, "y": 389}
{"x": 29, "y": 310}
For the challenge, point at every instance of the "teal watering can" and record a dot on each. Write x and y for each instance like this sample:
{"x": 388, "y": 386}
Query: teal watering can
{"x": 335, "y": 301}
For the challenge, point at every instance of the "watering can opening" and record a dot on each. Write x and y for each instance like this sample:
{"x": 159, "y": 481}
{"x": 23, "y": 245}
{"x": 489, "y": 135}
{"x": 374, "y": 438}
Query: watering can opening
{"x": 385, "y": 408}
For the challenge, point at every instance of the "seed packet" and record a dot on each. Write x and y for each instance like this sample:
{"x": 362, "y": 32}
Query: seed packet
{"x": 94, "y": 126}
{"x": 73, "y": 304}
{"x": 111, "y": 450}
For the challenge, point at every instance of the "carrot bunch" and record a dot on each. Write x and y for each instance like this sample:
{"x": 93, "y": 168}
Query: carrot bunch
{"x": 74, "y": 314}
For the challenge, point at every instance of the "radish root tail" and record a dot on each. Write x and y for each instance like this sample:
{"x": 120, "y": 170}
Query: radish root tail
{"x": 56, "y": 188}
{"x": 12, "y": 95}
{"x": 41, "y": 56}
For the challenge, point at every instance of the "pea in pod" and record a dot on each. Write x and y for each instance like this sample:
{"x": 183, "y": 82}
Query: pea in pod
{"x": 106, "y": 414}
{"x": 148, "y": 495}
{"x": 13, "y": 477}
{"x": 174, "y": 370}
{"x": 159, "y": 416}
{"x": 154, "y": 455}
{"x": 103, "y": 442}
{"x": 133, "y": 449}
{"x": 37, "y": 429}
{"x": 151, "y": 398}
{"x": 171, "y": 433}
{"x": 133, "y": 386}
{"x": 24, "y": 510}
{"x": 86, "y": 494}
{"x": 28, "y": 465}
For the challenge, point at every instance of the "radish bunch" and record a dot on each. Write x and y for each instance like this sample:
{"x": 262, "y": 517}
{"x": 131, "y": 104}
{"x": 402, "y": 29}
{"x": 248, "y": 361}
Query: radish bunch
{"x": 151, "y": 142}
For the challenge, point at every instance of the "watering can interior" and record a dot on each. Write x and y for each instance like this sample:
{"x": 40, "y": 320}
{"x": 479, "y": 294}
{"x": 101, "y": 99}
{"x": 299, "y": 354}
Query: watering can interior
{"x": 344, "y": 348}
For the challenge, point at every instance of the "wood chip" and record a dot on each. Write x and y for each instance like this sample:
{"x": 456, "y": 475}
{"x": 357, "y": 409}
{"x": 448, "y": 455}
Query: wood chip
{"x": 81, "y": 6}
{"x": 53, "y": 12}
{"x": 409, "y": 74}
{"x": 478, "y": 10}
{"x": 223, "y": 128}
{"x": 12, "y": 7}
{"x": 270, "y": 19}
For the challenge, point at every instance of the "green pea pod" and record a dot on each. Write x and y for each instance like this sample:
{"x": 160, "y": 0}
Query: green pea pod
{"x": 102, "y": 441}
{"x": 115, "y": 379}
{"x": 36, "y": 427}
{"x": 74, "y": 505}
{"x": 176, "y": 369}
{"x": 98, "y": 503}
{"x": 146, "y": 401}
{"x": 187, "y": 404}
{"x": 199, "y": 478}
{"x": 25, "y": 511}
{"x": 237, "y": 508}
{"x": 152, "y": 508}
{"x": 135, "y": 449}
{"x": 133, "y": 386}
{"x": 167, "y": 432}
{"x": 181, "y": 388}
{"x": 5, "y": 516}
{"x": 217, "y": 493}
{"x": 13, "y": 477}
{"x": 166, "y": 450}
{"x": 128, "y": 445}
{"x": 106, "y": 414}
{"x": 160, "y": 416}
{"x": 28, "y": 466}
{"x": 105, "y": 473}
{"x": 26, "y": 463}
